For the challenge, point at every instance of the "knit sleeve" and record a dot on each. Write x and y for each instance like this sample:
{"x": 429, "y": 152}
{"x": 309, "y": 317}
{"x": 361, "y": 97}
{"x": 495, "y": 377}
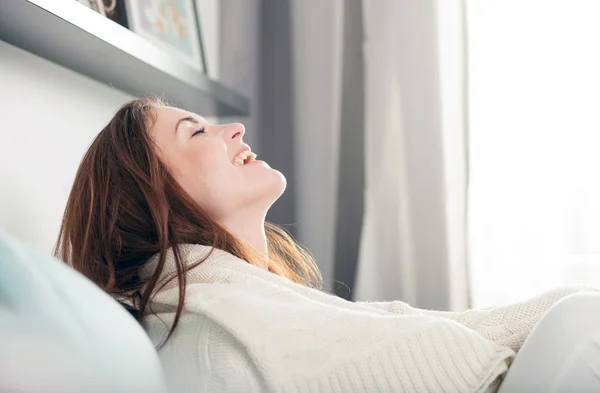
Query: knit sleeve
{"x": 440, "y": 357}
{"x": 289, "y": 338}
{"x": 224, "y": 354}
{"x": 507, "y": 325}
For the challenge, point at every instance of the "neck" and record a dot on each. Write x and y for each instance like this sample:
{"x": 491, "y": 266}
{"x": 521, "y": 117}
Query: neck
{"x": 249, "y": 227}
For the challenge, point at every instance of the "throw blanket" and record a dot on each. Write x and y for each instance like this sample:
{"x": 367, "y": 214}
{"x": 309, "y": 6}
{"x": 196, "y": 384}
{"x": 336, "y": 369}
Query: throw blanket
{"x": 245, "y": 329}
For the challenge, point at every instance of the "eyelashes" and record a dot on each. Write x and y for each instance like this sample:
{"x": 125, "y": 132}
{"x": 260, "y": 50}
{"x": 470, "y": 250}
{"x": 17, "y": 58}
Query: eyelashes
{"x": 199, "y": 131}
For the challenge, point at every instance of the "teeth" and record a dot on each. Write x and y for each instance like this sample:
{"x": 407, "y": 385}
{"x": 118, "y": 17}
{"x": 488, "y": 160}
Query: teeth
{"x": 243, "y": 156}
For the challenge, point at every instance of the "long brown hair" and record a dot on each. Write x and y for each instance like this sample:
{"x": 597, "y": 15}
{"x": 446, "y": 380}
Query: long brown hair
{"x": 125, "y": 207}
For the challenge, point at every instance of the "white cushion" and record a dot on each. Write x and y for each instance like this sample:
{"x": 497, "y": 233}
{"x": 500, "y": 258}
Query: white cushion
{"x": 59, "y": 332}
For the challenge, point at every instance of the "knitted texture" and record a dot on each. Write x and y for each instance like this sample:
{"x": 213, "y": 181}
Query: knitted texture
{"x": 245, "y": 329}
{"x": 508, "y": 326}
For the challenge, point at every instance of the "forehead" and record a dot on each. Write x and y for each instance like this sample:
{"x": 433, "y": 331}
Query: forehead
{"x": 167, "y": 117}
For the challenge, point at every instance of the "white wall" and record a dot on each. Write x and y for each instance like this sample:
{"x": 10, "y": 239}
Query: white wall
{"x": 48, "y": 117}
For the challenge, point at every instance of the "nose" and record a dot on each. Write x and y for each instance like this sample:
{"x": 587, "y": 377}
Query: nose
{"x": 235, "y": 130}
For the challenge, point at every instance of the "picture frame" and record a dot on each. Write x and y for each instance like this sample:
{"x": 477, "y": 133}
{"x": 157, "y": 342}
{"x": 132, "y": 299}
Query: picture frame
{"x": 172, "y": 25}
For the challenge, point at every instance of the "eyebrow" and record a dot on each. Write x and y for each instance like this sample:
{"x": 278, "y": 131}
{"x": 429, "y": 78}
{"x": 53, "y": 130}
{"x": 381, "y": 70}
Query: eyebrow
{"x": 187, "y": 118}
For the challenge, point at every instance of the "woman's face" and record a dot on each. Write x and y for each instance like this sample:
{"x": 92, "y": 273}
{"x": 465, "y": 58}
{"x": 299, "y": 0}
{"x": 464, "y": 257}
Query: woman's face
{"x": 205, "y": 160}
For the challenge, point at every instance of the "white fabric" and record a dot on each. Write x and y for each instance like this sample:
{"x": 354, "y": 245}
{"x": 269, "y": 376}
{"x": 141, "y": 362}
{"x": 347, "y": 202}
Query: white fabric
{"x": 317, "y": 33}
{"x": 60, "y": 333}
{"x": 534, "y": 191}
{"x": 413, "y": 244}
{"x": 562, "y": 353}
{"x": 245, "y": 329}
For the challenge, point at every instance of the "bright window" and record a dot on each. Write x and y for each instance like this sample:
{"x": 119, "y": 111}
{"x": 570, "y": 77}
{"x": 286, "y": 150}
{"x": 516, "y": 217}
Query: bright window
{"x": 534, "y": 124}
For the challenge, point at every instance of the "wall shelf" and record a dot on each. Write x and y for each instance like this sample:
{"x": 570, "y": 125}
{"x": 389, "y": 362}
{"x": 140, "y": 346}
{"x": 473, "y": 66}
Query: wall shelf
{"x": 69, "y": 34}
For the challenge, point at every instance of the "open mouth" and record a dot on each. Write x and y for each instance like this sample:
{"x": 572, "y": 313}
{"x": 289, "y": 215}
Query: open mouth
{"x": 244, "y": 158}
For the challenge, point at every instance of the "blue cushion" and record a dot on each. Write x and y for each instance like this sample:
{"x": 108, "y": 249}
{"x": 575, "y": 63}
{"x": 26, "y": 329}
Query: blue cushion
{"x": 60, "y": 332}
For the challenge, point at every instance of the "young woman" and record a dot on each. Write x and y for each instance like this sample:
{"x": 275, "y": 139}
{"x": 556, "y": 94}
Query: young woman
{"x": 167, "y": 214}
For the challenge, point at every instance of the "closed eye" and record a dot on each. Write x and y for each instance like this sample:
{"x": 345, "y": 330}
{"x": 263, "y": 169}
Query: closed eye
{"x": 199, "y": 131}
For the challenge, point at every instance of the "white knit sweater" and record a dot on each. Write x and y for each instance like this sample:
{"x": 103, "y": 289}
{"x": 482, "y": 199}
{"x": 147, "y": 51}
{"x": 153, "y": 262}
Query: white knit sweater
{"x": 247, "y": 330}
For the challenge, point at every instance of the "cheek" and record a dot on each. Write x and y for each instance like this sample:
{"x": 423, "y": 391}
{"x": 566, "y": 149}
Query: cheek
{"x": 206, "y": 174}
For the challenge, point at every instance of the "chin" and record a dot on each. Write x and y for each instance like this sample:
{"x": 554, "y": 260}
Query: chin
{"x": 271, "y": 186}
{"x": 264, "y": 186}
{"x": 279, "y": 184}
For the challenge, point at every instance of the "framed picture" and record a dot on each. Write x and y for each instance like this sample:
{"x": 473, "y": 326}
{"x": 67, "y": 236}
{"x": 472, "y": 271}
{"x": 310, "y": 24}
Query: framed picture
{"x": 170, "y": 24}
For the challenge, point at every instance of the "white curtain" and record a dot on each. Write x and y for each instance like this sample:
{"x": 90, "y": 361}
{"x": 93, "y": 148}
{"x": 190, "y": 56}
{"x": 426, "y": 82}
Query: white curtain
{"x": 535, "y": 193}
{"x": 317, "y": 43}
{"x": 413, "y": 242}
